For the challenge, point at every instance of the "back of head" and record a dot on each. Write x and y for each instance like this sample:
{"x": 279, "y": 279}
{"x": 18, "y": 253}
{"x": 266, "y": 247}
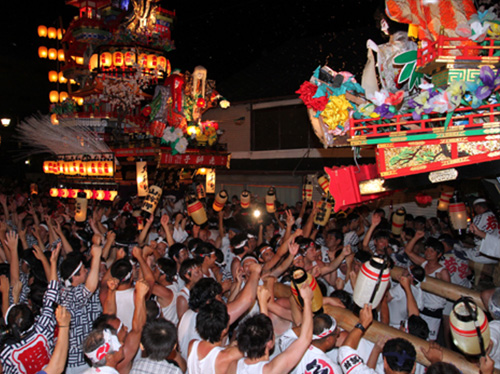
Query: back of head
{"x": 442, "y": 368}
{"x": 158, "y": 339}
{"x": 167, "y": 267}
{"x": 19, "y": 319}
{"x": 418, "y": 327}
{"x": 238, "y": 243}
{"x": 69, "y": 265}
{"x": 98, "y": 344}
{"x": 253, "y": 335}
{"x": 400, "y": 355}
{"x": 204, "y": 291}
{"x": 122, "y": 270}
{"x": 211, "y": 320}
{"x": 324, "y": 325}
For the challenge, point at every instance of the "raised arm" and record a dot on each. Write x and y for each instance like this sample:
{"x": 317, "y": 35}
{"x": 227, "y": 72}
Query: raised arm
{"x": 247, "y": 296}
{"x": 416, "y": 259}
{"x": 366, "y": 240}
{"x": 93, "y": 276}
{"x": 57, "y": 362}
{"x": 411, "y": 303}
{"x": 145, "y": 230}
{"x": 365, "y": 319}
{"x": 164, "y": 223}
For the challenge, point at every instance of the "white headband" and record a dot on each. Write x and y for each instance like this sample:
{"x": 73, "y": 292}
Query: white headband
{"x": 241, "y": 245}
{"x": 111, "y": 344}
{"x": 326, "y": 331}
{"x": 264, "y": 250}
{"x": 249, "y": 258}
{"x": 67, "y": 282}
{"x": 7, "y": 313}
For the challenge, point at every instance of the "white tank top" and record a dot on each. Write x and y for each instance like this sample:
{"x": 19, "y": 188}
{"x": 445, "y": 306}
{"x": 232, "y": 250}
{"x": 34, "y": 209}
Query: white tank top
{"x": 432, "y": 301}
{"x": 186, "y": 331}
{"x": 170, "y": 311}
{"x": 125, "y": 306}
{"x": 205, "y": 365}
{"x": 244, "y": 368}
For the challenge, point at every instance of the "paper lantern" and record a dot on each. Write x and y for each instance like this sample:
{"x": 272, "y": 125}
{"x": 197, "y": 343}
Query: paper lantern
{"x": 324, "y": 183}
{"x": 152, "y": 199}
{"x": 164, "y": 65}
{"x": 60, "y": 55}
{"x": 53, "y": 76}
{"x": 63, "y": 192}
{"x": 54, "y": 96}
{"x": 99, "y": 194}
{"x": 118, "y": 59}
{"x": 42, "y": 52}
{"x": 200, "y": 191}
{"x": 141, "y": 169}
{"x": 33, "y": 189}
{"x": 60, "y": 33}
{"x": 53, "y": 192}
{"x": 112, "y": 195}
{"x": 307, "y": 191}
{"x": 72, "y": 167}
{"x": 245, "y": 199}
{"x": 197, "y": 212}
{"x": 81, "y": 207}
{"x": 143, "y": 60}
{"x": 82, "y": 168}
{"x": 129, "y": 58}
{"x": 300, "y": 276}
{"x": 91, "y": 167}
{"x": 52, "y": 32}
{"x": 79, "y": 100}
{"x": 444, "y": 200}
{"x": 373, "y": 280}
{"x": 89, "y": 194}
{"x": 46, "y": 167}
{"x": 94, "y": 62}
{"x": 324, "y": 212}
{"x": 53, "y": 119}
{"x": 62, "y": 78}
{"x": 108, "y": 169}
{"x": 106, "y": 59}
{"x": 152, "y": 62}
{"x": 63, "y": 96}
{"x": 65, "y": 165}
{"x": 270, "y": 200}
{"x": 42, "y": 31}
{"x": 52, "y": 54}
{"x": 220, "y": 201}
{"x": 72, "y": 193}
{"x": 458, "y": 216}
{"x": 398, "y": 220}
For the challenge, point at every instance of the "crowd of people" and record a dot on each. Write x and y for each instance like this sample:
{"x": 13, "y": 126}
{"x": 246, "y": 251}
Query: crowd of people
{"x": 126, "y": 292}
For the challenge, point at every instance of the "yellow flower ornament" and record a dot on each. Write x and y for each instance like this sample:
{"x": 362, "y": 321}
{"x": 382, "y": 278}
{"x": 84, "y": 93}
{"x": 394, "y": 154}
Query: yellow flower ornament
{"x": 336, "y": 111}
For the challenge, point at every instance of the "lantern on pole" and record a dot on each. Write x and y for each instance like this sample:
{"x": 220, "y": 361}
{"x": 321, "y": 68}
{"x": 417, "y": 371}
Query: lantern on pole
{"x": 270, "y": 200}
{"x": 245, "y": 199}
{"x": 42, "y": 31}
{"x": 141, "y": 169}
{"x": 220, "y": 201}
{"x": 398, "y": 220}
{"x": 42, "y": 52}
{"x": 81, "y": 207}
{"x": 324, "y": 183}
{"x": 444, "y": 199}
{"x": 458, "y": 216}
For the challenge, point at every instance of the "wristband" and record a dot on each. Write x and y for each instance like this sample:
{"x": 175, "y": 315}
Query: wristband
{"x": 360, "y": 326}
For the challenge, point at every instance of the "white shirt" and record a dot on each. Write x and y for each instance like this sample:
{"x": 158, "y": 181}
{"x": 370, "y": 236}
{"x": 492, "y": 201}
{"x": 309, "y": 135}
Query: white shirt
{"x": 186, "y": 331}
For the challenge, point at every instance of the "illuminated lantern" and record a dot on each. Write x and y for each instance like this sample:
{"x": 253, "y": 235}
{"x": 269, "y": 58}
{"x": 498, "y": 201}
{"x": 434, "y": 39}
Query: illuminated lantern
{"x": 53, "y": 119}
{"x": 47, "y": 167}
{"x": 63, "y": 96}
{"x": 82, "y": 168}
{"x": 398, "y": 220}
{"x": 245, "y": 199}
{"x": 42, "y": 31}
{"x": 220, "y": 201}
{"x": 42, "y": 52}
{"x": 52, "y": 32}
{"x": 108, "y": 168}
{"x": 324, "y": 212}
{"x": 53, "y": 192}
{"x": 89, "y": 194}
{"x": 106, "y": 59}
{"x": 299, "y": 277}
{"x": 307, "y": 191}
{"x": 72, "y": 167}
{"x": 152, "y": 61}
{"x": 193, "y": 129}
{"x": 79, "y": 100}
{"x": 141, "y": 169}
{"x": 81, "y": 207}
{"x": 143, "y": 60}
{"x": 129, "y": 58}
{"x": 469, "y": 327}
{"x": 324, "y": 183}
{"x": 54, "y": 96}
{"x": 270, "y": 199}
{"x": 79, "y": 60}
{"x": 33, "y": 189}
{"x": 66, "y": 165}
{"x": 112, "y": 195}
{"x": 444, "y": 200}
{"x": 60, "y": 167}
{"x": 152, "y": 199}
{"x": 118, "y": 59}
{"x": 372, "y": 281}
{"x": 197, "y": 212}
{"x": 458, "y": 216}
{"x": 162, "y": 63}
{"x": 63, "y": 192}
{"x": 60, "y": 33}
{"x": 53, "y": 76}
{"x": 100, "y": 169}
{"x": 91, "y": 168}
{"x": 60, "y": 55}
{"x": 62, "y": 78}
{"x": 200, "y": 191}
{"x": 72, "y": 193}
{"x": 106, "y": 195}
{"x": 99, "y": 195}
{"x": 52, "y": 54}
{"x": 94, "y": 62}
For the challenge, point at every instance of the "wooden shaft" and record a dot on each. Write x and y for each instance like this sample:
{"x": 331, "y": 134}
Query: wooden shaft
{"x": 444, "y": 289}
{"x": 346, "y": 320}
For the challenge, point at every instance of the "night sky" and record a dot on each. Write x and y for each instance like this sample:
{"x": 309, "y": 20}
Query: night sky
{"x": 252, "y": 49}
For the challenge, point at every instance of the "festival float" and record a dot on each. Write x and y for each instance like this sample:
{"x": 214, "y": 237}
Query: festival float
{"x": 119, "y": 108}
{"x": 429, "y": 103}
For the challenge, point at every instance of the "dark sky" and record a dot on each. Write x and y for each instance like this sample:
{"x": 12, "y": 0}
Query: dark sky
{"x": 252, "y": 49}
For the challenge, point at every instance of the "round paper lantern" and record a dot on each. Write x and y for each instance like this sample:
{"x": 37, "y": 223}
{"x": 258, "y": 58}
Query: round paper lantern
{"x": 63, "y": 96}
{"x": 52, "y": 54}
{"x": 106, "y": 59}
{"x": 118, "y": 59}
{"x": 42, "y": 52}
{"x": 143, "y": 60}
{"x": 53, "y": 119}
{"x": 112, "y": 195}
{"x": 129, "y": 58}
{"x": 42, "y": 31}
{"x": 62, "y": 78}
{"x": 53, "y": 192}
{"x": 63, "y": 192}
{"x": 53, "y": 76}
{"x": 60, "y": 55}
{"x": 52, "y": 32}
{"x": 60, "y": 33}
{"x": 54, "y": 96}
{"x": 152, "y": 61}
{"x": 94, "y": 62}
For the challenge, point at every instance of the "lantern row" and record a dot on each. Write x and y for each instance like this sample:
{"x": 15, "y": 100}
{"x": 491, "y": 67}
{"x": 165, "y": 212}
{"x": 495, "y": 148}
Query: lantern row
{"x": 50, "y": 32}
{"x": 72, "y": 193}
{"x": 120, "y": 59}
{"x": 93, "y": 168}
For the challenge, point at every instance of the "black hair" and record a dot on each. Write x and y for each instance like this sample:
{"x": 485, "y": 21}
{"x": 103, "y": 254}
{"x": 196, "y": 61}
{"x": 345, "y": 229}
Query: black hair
{"x": 435, "y": 244}
{"x": 400, "y": 355}
{"x": 158, "y": 339}
{"x": 409, "y": 232}
{"x": 304, "y": 243}
{"x": 418, "y": 327}
{"x": 211, "y": 321}
{"x": 442, "y": 368}
{"x": 341, "y": 223}
{"x": 121, "y": 269}
{"x": 102, "y": 322}
{"x": 418, "y": 272}
{"x": 352, "y": 217}
{"x": 321, "y": 322}
{"x": 69, "y": 265}
{"x": 259, "y": 249}
{"x": 168, "y": 267}
{"x": 420, "y": 219}
{"x": 362, "y": 256}
{"x": 339, "y": 235}
{"x": 253, "y": 335}
{"x": 174, "y": 249}
{"x": 204, "y": 291}
{"x": 381, "y": 234}
{"x": 344, "y": 297}
{"x": 152, "y": 310}
{"x": 204, "y": 249}
{"x": 237, "y": 240}
{"x": 20, "y": 319}
{"x": 194, "y": 243}
{"x": 186, "y": 267}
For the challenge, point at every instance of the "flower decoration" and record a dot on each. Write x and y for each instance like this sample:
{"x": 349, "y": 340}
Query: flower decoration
{"x": 490, "y": 80}
{"x": 336, "y": 112}
{"x": 307, "y": 91}
{"x": 181, "y": 145}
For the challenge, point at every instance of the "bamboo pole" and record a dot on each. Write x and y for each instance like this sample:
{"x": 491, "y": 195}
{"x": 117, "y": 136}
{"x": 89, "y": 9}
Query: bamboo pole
{"x": 346, "y": 320}
{"x": 444, "y": 289}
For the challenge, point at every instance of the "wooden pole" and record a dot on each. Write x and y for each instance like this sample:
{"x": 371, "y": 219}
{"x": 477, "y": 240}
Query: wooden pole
{"x": 444, "y": 289}
{"x": 346, "y": 320}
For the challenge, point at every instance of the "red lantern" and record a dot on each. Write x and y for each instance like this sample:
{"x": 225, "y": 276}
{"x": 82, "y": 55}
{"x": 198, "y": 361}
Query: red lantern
{"x": 423, "y": 199}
